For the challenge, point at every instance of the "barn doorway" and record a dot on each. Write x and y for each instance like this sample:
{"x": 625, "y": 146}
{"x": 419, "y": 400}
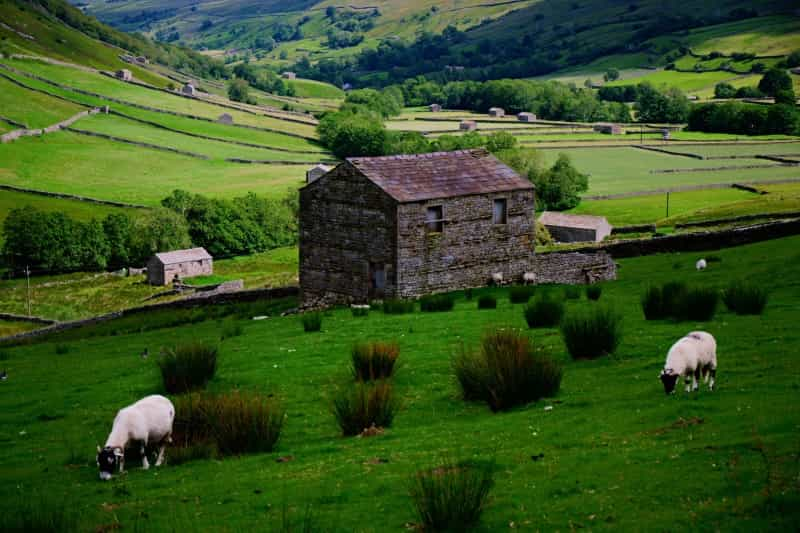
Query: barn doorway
{"x": 377, "y": 277}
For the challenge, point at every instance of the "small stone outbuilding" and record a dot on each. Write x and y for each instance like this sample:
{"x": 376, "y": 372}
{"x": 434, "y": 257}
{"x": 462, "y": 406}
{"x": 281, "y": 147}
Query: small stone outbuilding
{"x": 526, "y": 117}
{"x": 289, "y": 75}
{"x": 575, "y": 228}
{"x": 610, "y": 129}
{"x": 435, "y": 108}
{"x": 316, "y": 172}
{"x": 225, "y": 118}
{"x": 164, "y": 267}
{"x": 497, "y": 112}
{"x": 124, "y": 75}
{"x": 468, "y": 125}
{"x": 189, "y": 89}
{"x": 408, "y": 225}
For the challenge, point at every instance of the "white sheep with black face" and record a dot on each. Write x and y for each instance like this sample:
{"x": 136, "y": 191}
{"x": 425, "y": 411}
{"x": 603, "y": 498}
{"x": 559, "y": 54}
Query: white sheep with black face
{"x": 147, "y": 421}
{"x": 691, "y": 356}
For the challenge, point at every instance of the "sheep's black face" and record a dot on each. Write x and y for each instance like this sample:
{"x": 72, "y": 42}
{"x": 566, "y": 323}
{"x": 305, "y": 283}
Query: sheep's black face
{"x": 669, "y": 380}
{"x": 106, "y": 461}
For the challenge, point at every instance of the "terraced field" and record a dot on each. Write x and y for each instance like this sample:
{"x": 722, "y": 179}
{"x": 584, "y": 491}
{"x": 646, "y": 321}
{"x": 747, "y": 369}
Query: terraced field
{"x": 35, "y": 110}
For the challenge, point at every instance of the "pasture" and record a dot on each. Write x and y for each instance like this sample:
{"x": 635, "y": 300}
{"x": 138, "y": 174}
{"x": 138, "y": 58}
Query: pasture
{"x": 612, "y": 451}
{"x": 35, "y": 110}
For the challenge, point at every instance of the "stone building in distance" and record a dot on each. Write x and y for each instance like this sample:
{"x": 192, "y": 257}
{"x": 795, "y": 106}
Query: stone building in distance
{"x": 564, "y": 227}
{"x": 409, "y": 225}
{"x": 163, "y": 268}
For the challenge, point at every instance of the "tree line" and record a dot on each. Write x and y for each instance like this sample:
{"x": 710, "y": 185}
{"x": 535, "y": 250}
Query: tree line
{"x": 54, "y": 242}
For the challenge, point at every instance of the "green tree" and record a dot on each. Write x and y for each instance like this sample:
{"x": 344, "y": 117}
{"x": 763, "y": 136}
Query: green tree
{"x": 118, "y": 230}
{"x": 238, "y": 90}
{"x": 159, "y": 230}
{"x": 500, "y": 141}
{"x": 654, "y": 106}
{"x": 611, "y": 74}
{"x": 724, "y": 90}
{"x": 352, "y": 134}
{"x": 774, "y": 81}
{"x": 559, "y": 188}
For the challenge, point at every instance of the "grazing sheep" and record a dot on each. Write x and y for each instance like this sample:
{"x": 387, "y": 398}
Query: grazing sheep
{"x": 691, "y": 355}
{"x": 701, "y": 264}
{"x": 148, "y": 420}
{"x": 497, "y": 278}
{"x": 529, "y": 278}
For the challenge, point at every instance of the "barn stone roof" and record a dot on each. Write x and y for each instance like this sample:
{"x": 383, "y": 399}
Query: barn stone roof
{"x": 418, "y": 177}
{"x": 564, "y": 220}
{"x": 183, "y": 256}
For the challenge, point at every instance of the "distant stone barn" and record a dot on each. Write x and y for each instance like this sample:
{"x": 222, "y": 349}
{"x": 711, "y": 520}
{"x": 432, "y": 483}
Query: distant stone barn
{"x": 408, "y": 225}
{"x": 564, "y": 227}
{"x": 189, "y": 89}
{"x": 163, "y": 268}
{"x": 124, "y": 75}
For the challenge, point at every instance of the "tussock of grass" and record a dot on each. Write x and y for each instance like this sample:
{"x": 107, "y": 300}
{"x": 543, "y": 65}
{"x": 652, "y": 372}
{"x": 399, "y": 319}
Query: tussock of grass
{"x": 487, "y": 301}
{"x": 544, "y": 311}
{"x": 591, "y": 332}
{"x": 374, "y": 360}
{"x": 506, "y": 371}
{"x": 437, "y": 302}
{"x": 312, "y": 322}
{"x": 677, "y": 301}
{"x": 451, "y": 496}
{"x": 572, "y": 292}
{"x": 520, "y": 294}
{"x": 397, "y": 307}
{"x": 745, "y": 298}
{"x": 188, "y": 367}
{"x": 593, "y": 292}
{"x": 359, "y": 406}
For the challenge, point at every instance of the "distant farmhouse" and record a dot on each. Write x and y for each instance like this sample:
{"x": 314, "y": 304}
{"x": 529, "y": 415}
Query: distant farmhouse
{"x": 408, "y": 225}
{"x": 316, "y": 172}
{"x": 124, "y": 75}
{"x": 163, "y": 268}
{"x": 575, "y": 228}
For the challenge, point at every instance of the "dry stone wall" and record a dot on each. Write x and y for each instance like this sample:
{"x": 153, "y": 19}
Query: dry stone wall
{"x": 575, "y": 268}
{"x": 64, "y": 124}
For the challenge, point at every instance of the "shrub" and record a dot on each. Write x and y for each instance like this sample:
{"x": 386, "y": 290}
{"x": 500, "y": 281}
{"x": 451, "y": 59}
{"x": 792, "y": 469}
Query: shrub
{"x": 231, "y": 329}
{"x": 437, "y": 302}
{"x": 593, "y": 292}
{"x": 398, "y": 307}
{"x": 662, "y": 302}
{"x": 188, "y": 367}
{"x": 201, "y": 451}
{"x": 520, "y": 294}
{"x": 468, "y": 294}
{"x": 359, "y": 311}
{"x": 745, "y": 298}
{"x": 311, "y": 321}
{"x": 697, "y": 303}
{"x": 487, "y": 301}
{"x": 452, "y": 496}
{"x": 62, "y": 349}
{"x": 592, "y": 332}
{"x": 506, "y": 371}
{"x": 360, "y": 406}
{"x": 233, "y": 423}
{"x": 374, "y": 360}
{"x": 572, "y": 292}
{"x": 544, "y": 311}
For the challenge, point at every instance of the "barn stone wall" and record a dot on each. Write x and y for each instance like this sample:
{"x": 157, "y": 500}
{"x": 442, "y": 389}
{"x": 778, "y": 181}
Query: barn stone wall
{"x": 160, "y": 274}
{"x": 470, "y": 249}
{"x": 346, "y": 223}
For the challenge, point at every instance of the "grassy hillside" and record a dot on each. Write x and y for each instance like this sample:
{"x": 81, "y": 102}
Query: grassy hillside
{"x": 616, "y": 453}
{"x": 35, "y": 110}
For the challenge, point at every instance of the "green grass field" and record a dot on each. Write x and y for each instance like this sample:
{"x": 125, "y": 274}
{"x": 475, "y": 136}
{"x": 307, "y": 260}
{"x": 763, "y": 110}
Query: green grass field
{"x": 33, "y": 109}
{"x": 780, "y": 198}
{"x": 76, "y": 164}
{"x": 743, "y": 150}
{"x": 617, "y": 454}
{"x": 686, "y": 81}
{"x": 315, "y": 89}
{"x": 12, "y": 327}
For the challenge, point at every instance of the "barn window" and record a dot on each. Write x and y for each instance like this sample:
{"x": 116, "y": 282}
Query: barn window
{"x": 499, "y": 211}
{"x": 434, "y": 219}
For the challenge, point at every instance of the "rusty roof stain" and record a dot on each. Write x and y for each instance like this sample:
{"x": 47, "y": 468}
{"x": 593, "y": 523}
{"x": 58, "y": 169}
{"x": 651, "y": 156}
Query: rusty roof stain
{"x": 552, "y": 218}
{"x": 182, "y": 256}
{"x": 418, "y": 177}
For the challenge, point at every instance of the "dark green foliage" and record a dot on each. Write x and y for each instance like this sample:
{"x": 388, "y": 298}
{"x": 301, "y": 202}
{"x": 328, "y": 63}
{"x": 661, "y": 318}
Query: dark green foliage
{"x": 452, "y": 496}
{"x": 487, "y": 301}
{"x": 593, "y": 292}
{"x": 652, "y": 105}
{"x": 506, "y": 371}
{"x": 4, "y": 356}
{"x": 359, "y": 406}
{"x": 359, "y": 311}
{"x": 188, "y": 367}
{"x": 437, "y": 302}
{"x": 239, "y": 90}
{"x": 374, "y": 360}
{"x": 62, "y": 349}
{"x": 698, "y": 304}
{"x": 353, "y": 132}
{"x": 38, "y": 513}
{"x": 232, "y": 423}
{"x": 745, "y": 119}
{"x": 312, "y": 322}
{"x": 520, "y": 294}
{"x": 468, "y": 294}
{"x": 724, "y": 90}
{"x": 744, "y": 298}
{"x": 774, "y": 81}
{"x": 591, "y": 332}
{"x": 560, "y": 187}
{"x": 572, "y": 292}
{"x": 544, "y": 311}
{"x": 230, "y": 329}
{"x": 201, "y": 451}
{"x": 395, "y": 306}
{"x": 677, "y": 301}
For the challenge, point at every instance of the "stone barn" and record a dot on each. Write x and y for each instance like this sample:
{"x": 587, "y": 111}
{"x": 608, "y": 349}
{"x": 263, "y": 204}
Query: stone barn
{"x": 610, "y": 129}
{"x": 163, "y": 268}
{"x": 225, "y": 118}
{"x": 408, "y": 225}
{"x": 124, "y": 75}
{"x": 526, "y": 117}
{"x": 289, "y": 75}
{"x": 189, "y": 89}
{"x": 316, "y": 172}
{"x": 497, "y": 112}
{"x": 468, "y": 125}
{"x": 575, "y": 228}
{"x": 435, "y": 108}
